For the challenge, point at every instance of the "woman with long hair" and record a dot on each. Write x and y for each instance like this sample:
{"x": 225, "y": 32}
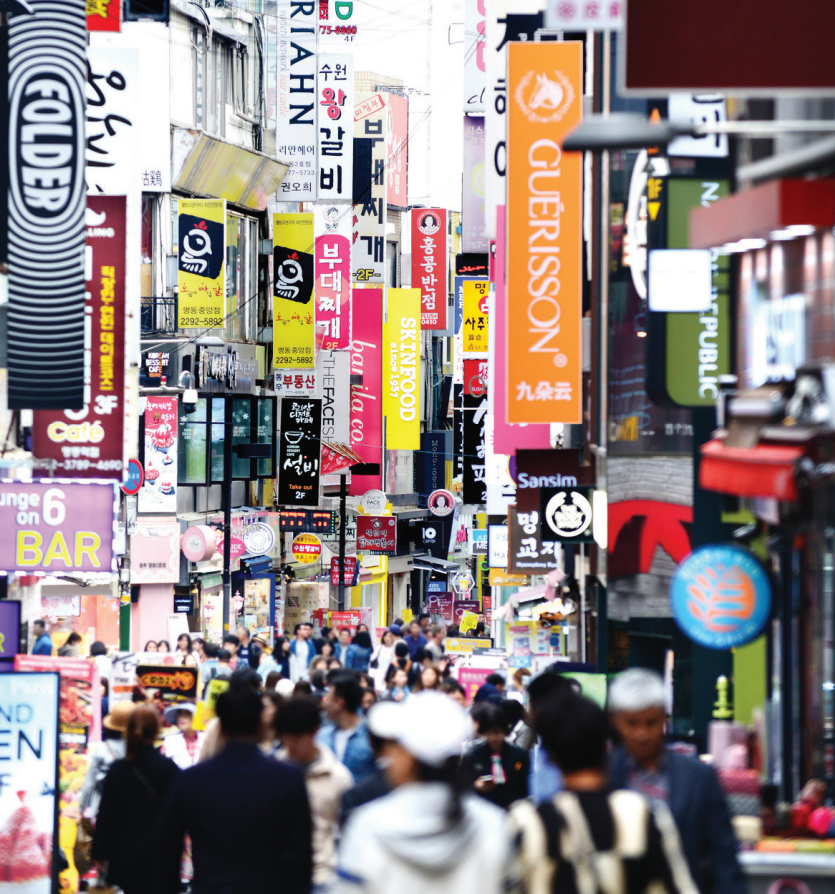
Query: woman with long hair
{"x": 381, "y": 660}
{"x": 281, "y": 655}
{"x": 358, "y": 655}
{"x": 150, "y": 646}
{"x": 428, "y": 678}
{"x": 185, "y": 651}
{"x": 124, "y": 844}
{"x": 163, "y": 646}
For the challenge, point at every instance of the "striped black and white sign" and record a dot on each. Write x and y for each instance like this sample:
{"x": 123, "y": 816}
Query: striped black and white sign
{"x": 46, "y": 205}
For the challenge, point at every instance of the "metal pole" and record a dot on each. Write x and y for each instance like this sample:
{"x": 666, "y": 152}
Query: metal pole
{"x": 343, "y": 524}
{"x": 226, "y": 505}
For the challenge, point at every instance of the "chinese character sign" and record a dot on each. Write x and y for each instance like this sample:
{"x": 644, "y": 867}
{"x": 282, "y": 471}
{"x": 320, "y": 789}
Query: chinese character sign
{"x": 474, "y": 327}
{"x": 159, "y": 492}
{"x": 299, "y": 453}
{"x": 332, "y": 293}
{"x": 89, "y": 443}
{"x": 293, "y": 283}
{"x": 430, "y": 267}
{"x": 201, "y": 229}
{"x": 335, "y": 110}
{"x": 367, "y": 398}
{"x": 475, "y": 451}
{"x": 544, "y": 234}
{"x": 401, "y": 370}
{"x": 368, "y": 239}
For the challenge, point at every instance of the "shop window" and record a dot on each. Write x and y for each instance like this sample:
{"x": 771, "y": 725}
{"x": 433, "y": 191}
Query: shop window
{"x": 192, "y": 445}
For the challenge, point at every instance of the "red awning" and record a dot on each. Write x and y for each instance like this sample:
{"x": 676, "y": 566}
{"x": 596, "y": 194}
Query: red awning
{"x": 766, "y": 470}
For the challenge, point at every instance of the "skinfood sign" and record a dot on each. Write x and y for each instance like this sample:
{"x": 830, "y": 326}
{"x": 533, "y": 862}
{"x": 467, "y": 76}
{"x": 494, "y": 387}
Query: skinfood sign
{"x": 57, "y": 526}
{"x": 401, "y": 363}
{"x": 544, "y": 216}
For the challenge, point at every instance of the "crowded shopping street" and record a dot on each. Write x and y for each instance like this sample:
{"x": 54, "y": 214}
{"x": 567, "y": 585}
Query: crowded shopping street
{"x": 417, "y": 454}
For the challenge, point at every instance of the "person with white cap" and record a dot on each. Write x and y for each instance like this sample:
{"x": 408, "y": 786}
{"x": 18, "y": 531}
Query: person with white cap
{"x": 425, "y": 837}
{"x": 183, "y": 747}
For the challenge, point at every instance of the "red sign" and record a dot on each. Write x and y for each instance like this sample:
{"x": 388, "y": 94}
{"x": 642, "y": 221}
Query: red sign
{"x": 472, "y": 679}
{"x": 88, "y": 443}
{"x": 465, "y": 605}
{"x": 367, "y": 399}
{"x": 376, "y": 533}
{"x": 475, "y": 378}
{"x": 349, "y": 574}
{"x": 104, "y": 15}
{"x": 430, "y": 265}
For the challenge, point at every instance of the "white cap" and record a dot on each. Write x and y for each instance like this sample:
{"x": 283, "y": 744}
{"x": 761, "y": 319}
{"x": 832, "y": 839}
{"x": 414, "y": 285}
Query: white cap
{"x": 429, "y": 725}
{"x": 171, "y": 712}
{"x": 285, "y": 687}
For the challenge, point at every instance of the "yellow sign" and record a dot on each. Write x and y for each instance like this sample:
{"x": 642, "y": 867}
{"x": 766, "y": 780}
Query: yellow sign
{"x": 307, "y": 549}
{"x": 501, "y": 578}
{"x": 407, "y": 615}
{"x": 293, "y": 279}
{"x": 466, "y": 643}
{"x": 401, "y": 370}
{"x": 201, "y": 264}
{"x": 468, "y": 621}
{"x": 474, "y": 325}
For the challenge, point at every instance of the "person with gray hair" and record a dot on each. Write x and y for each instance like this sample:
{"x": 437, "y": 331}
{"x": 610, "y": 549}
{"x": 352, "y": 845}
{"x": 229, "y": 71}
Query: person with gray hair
{"x": 688, "y": 787}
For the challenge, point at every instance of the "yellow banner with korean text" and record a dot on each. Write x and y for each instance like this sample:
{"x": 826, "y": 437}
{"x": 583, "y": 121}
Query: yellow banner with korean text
{"x": 474, "y": 324}
{"x": 201, "y": 263}
{"x": 401, "y": 370}
{"x": 293, "y": 280}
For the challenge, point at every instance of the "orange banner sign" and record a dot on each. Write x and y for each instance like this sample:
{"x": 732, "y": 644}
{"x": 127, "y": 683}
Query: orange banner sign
{"x": 544, "y": 226}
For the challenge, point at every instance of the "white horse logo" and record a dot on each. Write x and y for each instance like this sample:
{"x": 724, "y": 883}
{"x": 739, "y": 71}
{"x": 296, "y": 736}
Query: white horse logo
{"x": 547, "y": 94}
{"x": 544, "y": 97}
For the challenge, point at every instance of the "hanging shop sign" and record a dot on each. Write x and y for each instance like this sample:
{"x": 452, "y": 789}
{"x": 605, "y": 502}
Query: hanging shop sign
{"x": 499, "y": 578}
{"x": 401, "y": 369}
{"x": 350, "y": 576}
{"x": 376, "y": 534}
{"x": 367, "y": 398}
{"x": 537, "y": 469}
{"x": 430, "y": 265}
{"x": 307, "y": 549}
{"x": 332, "y": 292}
{"x": 168, "y": 685}
{"x": 374, "y": 502}
{"x": 104, "y": 15}
{"x": 335, "y": 108}
{"x": 201, "y": 280}
{"x": 159, "y": 492}
{"x": 464, "y": 604}
{"x": 259, "y": 539}
{"x": 567, "y": 514}
{"x": 470, "y": 265}
{"x": 334, "y": 387}
{"x": 295, "y": 384}
{"x": 475, "y": 378}
{"x": 368, "y": 239}
{"x": 527, "y": 552}
{"x": 199, "y": 543}
{"x": 397, "y": 151}
{"x": 237, "y": 548}
{"x": 474, "y": 236}
{"x": 134, "y": 478}
{"x": 474, "y": 327}
{"x": 479, "y": 541}
{"x": 184, "y": 603}
{"x": 497, "y": 546}
{"x": 721, "y": 596}
{"x": 441, "y": 503}
{"x": 299, "y": 454}
{"x": 90, "y": 443}
{"x": 44, "y": 236}
{"x": 607, "y": 16}
{"x": 155, "y": 553}
{"x": 440, "y": 605}
{"x": 293, "y": 285}
{"x": 297, "y": 24}
{"x": 467, "y": 645}
{"x": 544, "y": 237}
{"x": 475, "y": 451}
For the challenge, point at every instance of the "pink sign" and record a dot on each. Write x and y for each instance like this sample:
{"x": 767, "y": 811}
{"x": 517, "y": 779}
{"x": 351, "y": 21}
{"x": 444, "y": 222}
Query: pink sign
{"x": 155, "y": 553}
{"x": 236, "y": 548}
{"x": 397, "y": 151}
{"x": 332, "y": 291}
{"x": 440, "y": 604}
{"x": 465, "y": 605}
{"x": 366, "y": 399}
{"x": 472, "y": 678}
{"x": 159, "y": 492}
{"x": 507, "y": 438}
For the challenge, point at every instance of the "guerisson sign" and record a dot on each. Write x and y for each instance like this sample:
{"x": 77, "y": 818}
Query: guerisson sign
{"x": 46, "y": 205}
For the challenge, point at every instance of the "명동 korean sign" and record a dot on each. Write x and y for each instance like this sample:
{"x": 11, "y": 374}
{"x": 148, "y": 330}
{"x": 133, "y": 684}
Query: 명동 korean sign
{"x": 293, "y": 285}
{"x": 201, "y": 229}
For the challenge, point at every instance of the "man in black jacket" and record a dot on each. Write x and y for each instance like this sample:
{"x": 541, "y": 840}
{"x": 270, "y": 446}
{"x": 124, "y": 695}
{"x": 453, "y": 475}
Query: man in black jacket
{"x": 261, "y": 842}
{"x": 497, "y": 770}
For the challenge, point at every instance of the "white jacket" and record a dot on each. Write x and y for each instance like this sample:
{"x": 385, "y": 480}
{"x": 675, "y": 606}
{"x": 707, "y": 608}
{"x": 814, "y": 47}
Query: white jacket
{"x": 384, "y": 656}
{"x": 405, "y": 843}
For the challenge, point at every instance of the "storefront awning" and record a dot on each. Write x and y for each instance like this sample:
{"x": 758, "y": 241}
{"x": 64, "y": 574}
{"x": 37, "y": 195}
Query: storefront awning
{"x": 426, "y": 562}
{"x": 766, "y": 470}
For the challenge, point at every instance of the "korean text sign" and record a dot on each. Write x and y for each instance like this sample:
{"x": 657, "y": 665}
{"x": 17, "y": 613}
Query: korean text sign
{"x": 201, "y": 277}
{"x": 376, "y": 533}
{"x": 430, "y": 265}
{"x": 58, "y": 526}
{"x": 368, "y": 263}
{"x": 300, "y": 447}
{"x": 90, "y": 443}
{"x": 159, "y": 492}
{"x": 335, "y": 111}
{"x": 293, "y": 283}
{"x": 367, "y": 399}
{"x": 401, "y": 362}
{"x": 332, "y": 229}
{"x": 544, "y": 234}
{"x": 474, "y": 327}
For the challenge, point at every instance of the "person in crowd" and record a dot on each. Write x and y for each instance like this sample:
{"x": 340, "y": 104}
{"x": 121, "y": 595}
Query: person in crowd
{"x": 286, "y": 688}
{"x": 381, "y": 660}
{"x": 319, "y": 663}
{"x": 396, "y": 629}
{"x": 198, "y": 644}
{"x": 163, "y": 646}
{"x": 369, "y": 698}
{"x": 271, "y": 680}
{"x": 329, "y": 634}
{"x": 497, "y": 680}
{"x": 334, "y": 664}
{"x": 479, "y": 630}
{"x": 434, "y": 641}
{"x": 245, "y": 644}
{"x": 232, "y": 644}
{"x": 586, "y": 837}
{"x": 98, "y": 652}
{"x": 516, "y": 685}
{"x": 150, "y": 646}
{"x": 71, "y": 648}
{"x": 183, "y": 747}
{"x": 208, "y": 669}
{"x": 487, "y": 692}
{"x": 497, "y": 770}
{"x": 133, "y": 791}
{"x": 262, "y": 661}
{"x": 444, "y": 667}
{"x": 399, "y": 622}
{"x": 268, "y": 737}
{"x": 687, "y": 786}
{"x": 328, "y": 650}
{"x": 43, "y": 642}
{"x": 185, "y": 651}
{"x": 103, "y": 755}
{"x": 318, "y": 684}
{"x": 342, "y": 646}
{"x": 424, "y": 622}
{"x": 374, "y": 786}
{"x": 247, "y": 815}
{"x": 242, "y": 678}
{"x": 428, "y": 678}
{"x": 358, "y": 655}
{"x": 281, "y": 655}
{"x": 520, "y": 732}
{"x": 398, "y": 689}
{"x": 401, "y": 659}
{"x": 545, "y": 780}
{"x": 363, "y": 628}
{"x": 415, "y": 639}
{"x": 455, "y": 691}
{"x": 345, "y": 733}
{"x": 453, "y": 631}
{"x": 424, "y": 837}
{"x": 302, "y": 651}
{"x": 302, "y": 689}
{"x": 224, "y": 663}
{"x": 422, "y": 660}
{"x": 298, "y": 723}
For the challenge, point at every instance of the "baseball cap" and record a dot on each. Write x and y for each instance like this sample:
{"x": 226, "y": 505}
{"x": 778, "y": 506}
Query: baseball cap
{"x": 172, "y": 711}
{"x": 429, "y": 725}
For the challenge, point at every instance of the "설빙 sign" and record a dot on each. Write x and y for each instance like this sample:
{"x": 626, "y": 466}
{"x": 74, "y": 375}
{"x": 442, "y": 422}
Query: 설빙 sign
{"x": 299, "y": 452}
{"x": 430, "y": 265}
{"x": 721, "y": 596}
{"x": 201, "y": 228}
{"x": 307, "y": 549}
{"x": 376, "y": 534}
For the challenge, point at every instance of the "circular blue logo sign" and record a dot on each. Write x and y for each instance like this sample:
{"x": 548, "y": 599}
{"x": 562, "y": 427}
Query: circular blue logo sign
{"x": 134, "y": 477}
{"x": 721, "y": 596}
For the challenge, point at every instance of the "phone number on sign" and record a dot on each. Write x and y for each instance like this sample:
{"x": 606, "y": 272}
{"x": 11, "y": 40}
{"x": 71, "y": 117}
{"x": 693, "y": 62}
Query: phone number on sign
{"x": 338, "y": 29}
{"x": 201, "y": 321}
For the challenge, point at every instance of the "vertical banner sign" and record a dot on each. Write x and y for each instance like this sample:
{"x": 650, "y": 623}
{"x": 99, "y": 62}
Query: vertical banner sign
{"x": 333, "y": 370}
{"x": 475, "y": 451}
{"x": 397, "y": 151}
{"x": 472, "y": 219}
{"x": 47, "y": 56}
{"x": 544, "y": 234}
{"x": 430, "y": 265}
{"x": 159, "y": 492}
{"x": 475, "y": 74}
{"x": 296, "y": 98}
{"x": 104, "y": 15}
{"x": 293, "y": 279}
{"x": 332, "y": 293}
{"x": 30, "y": 791}
{"x": 401, "y": 370}
{"x": 90, "y": 443}
{"x": 335, "y": 108}
{"x": 368, "y": 261}
{"x": 474, "y": 327}
{"x": 367, "y": 398}
{"x": 201, "y": 228}
{"x": 299, "y": 452}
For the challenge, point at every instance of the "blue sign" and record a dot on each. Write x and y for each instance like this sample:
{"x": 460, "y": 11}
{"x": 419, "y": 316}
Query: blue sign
{"x": 480, "y": 541}
{"x": 721, "y": 596}
{"x": 436, "y": 586}
{"x": 458, "y": 298}
{"x": 134, "y": 477}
